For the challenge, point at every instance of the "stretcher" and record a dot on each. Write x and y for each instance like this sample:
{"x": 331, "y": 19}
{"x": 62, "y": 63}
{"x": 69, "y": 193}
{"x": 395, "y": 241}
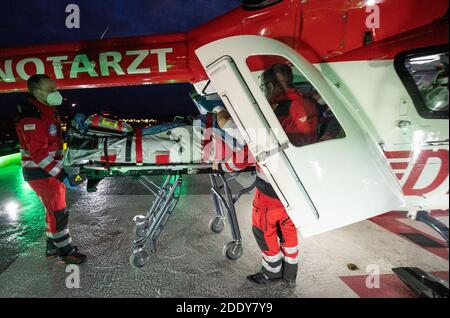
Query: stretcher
{"x": 95, "y": 156}
{"x": 176, "y": 142}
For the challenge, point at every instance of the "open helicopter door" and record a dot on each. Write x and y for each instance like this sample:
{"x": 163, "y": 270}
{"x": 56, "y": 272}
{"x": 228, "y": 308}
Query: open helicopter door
{"x": 323, "y": 185}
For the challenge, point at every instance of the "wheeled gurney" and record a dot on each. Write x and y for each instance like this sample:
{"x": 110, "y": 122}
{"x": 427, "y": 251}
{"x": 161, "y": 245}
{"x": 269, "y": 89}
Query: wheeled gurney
{"x": 148, "y": 227}
{"x": 100, "y": 148}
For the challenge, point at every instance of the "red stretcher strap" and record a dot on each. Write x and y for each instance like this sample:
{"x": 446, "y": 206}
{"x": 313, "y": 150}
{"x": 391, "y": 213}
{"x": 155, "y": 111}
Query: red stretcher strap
{"x": 162, "y": 158}
{"x": 95, "y": 120}
{"x": 206, "y": 143}
{"x": 111, "y": 158}
{"x": 139, "y": 146}
{"x": 209, "y": 121}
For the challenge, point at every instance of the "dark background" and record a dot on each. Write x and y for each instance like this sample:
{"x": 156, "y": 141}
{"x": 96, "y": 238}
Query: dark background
{"x": 40, "y": 22}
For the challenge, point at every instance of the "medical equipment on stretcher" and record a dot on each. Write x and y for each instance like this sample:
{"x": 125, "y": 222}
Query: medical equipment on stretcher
{"x": 157, "y": 151}
{"x": 172, "y": 143}
{"x": 98, "y": 125}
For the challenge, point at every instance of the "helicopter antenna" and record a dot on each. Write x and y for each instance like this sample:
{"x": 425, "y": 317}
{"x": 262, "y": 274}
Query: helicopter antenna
{"x": 104, "y": 32}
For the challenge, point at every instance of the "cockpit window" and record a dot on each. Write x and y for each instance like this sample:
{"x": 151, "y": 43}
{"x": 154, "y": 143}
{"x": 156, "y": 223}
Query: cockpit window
{"x": 425, "y": 75}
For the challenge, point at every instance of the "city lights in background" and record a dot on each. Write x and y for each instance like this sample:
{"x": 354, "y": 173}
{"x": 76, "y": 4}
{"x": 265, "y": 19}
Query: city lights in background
{"x": 65, "y": 123}
{"x": 139, "y": 121}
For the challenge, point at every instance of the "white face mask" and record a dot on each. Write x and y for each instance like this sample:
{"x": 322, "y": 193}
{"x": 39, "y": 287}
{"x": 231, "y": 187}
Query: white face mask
{"x": 54, "y": 99}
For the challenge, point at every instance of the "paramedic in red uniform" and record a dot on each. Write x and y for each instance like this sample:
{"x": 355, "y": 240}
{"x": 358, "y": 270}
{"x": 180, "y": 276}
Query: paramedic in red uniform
{"x": 274, "y": 231}
{"x": 41, "y": 147}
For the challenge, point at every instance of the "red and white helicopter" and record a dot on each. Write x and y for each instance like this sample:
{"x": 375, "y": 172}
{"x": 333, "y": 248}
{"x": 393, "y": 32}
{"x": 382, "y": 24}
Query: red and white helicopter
{"x": 380, "y": 65}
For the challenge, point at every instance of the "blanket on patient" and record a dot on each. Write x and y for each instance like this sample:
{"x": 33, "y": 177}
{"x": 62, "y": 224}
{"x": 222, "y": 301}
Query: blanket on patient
{"x": 94, "y": 140}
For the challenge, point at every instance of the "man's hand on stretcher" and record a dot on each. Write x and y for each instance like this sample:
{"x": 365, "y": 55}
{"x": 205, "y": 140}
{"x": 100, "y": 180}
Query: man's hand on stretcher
{"x": 222, "y": 118}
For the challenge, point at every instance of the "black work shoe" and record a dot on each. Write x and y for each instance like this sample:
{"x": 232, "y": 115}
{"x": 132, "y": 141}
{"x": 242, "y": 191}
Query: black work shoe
{"x": 51, "y": 253}
{"x": 262, "y": 279}
{"x": 290, "y": 283}
{"x": 73, "y": 257}
{"x": 50, "y": 250}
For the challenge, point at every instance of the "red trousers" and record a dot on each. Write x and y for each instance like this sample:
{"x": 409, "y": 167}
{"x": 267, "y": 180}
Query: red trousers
{"x": 276, "y": 236}
{"x": 52, "y": 194}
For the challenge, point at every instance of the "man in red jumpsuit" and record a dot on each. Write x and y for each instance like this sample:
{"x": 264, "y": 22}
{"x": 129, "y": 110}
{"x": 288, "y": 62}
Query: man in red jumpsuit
{"x": 41, "y": 147}
{"x": 274, "y": 231}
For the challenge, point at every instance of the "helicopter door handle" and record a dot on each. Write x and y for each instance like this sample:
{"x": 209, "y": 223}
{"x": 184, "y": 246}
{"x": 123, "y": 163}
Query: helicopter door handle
{"x": 404, "y": 124}
{"x": 266, "y": 154}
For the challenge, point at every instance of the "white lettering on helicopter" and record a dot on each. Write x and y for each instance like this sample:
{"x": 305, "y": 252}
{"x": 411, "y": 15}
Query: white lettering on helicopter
{"x": 81, "y": 64}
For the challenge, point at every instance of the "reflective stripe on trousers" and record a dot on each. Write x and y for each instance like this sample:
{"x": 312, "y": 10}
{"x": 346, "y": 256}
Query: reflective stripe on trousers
{"x": 276, "y": 236}
{"x": 52, "y": 194}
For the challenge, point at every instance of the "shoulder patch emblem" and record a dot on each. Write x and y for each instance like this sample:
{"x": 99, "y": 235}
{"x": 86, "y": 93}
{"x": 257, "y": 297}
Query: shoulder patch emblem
{"x": 303, "y": 119}
{"x": 52, "y": 130}
{"x": 29, "y": 127}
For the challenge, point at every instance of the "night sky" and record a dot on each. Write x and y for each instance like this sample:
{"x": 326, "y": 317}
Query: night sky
{"x": 40, "y": 22}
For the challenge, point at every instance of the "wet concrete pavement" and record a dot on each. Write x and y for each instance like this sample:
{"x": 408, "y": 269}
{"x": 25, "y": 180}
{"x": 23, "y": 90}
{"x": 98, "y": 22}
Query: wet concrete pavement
{"x": 188, "y": 262}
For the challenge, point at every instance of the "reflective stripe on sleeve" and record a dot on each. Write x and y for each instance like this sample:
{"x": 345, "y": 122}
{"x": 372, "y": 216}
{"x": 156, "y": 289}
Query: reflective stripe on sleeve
{"x": 45, "y": 162}
{"x": 55, "y": 170}
{"x": 29, "y": 164}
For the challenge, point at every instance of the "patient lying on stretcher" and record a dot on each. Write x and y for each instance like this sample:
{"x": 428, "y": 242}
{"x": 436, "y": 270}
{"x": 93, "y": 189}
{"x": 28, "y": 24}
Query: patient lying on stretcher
{"x": 208, "y": 138}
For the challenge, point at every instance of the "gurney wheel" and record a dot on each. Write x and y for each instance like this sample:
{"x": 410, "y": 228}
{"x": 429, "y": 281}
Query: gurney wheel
{"x": 139, "y": 258}
{"x": 216, "y": 224}
{"x": 233, "y": 250}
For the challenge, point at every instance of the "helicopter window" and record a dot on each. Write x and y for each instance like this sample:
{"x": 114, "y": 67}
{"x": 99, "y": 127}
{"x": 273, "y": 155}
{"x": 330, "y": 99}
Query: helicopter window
{"x": 425, "y": 75}
{"x": 302, "y": 112}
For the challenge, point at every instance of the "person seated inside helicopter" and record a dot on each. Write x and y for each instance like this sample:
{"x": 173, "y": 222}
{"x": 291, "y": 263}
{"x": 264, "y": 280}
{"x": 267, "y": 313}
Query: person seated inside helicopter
{"x": 329, "y": 127}
{"x": 435, "y": 94}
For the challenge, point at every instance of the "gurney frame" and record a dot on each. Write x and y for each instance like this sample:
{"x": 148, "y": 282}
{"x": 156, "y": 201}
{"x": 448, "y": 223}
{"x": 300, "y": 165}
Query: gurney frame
{"x": 148, "y": 227}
